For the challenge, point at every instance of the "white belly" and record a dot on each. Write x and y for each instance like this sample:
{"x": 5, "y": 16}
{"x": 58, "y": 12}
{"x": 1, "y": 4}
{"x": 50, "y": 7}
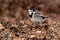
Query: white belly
{"x": 40, "y": 20}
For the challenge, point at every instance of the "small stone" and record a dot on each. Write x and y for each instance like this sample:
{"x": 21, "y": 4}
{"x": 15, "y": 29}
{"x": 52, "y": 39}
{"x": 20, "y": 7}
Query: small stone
{"x": 31, "y": 36}
{"x": 25, "y": 26}
{"x": 38, "y": 31}
{"x": 15, "y": 38}
{"x": 1, "y": 26}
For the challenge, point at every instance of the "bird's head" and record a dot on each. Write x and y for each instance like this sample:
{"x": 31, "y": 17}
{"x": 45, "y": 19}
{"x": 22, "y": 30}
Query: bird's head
{"x": 31, "y": 12}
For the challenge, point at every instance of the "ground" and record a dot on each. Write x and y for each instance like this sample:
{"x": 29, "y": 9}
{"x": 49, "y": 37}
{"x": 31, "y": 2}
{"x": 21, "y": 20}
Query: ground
{"x": 15, "y": 23}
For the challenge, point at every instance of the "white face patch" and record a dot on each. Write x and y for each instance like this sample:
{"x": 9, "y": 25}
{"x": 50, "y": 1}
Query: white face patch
{"x": 30, "y": 12}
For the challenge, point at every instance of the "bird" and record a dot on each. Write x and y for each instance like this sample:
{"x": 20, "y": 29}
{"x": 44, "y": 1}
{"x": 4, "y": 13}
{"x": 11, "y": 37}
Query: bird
{"x": 36, "y": 16}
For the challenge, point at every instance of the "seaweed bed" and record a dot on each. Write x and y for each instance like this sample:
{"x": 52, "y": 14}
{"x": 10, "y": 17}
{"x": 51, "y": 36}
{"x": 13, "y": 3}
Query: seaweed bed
{"x": 16, "y": 25}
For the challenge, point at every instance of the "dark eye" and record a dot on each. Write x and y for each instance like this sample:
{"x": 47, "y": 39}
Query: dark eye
{"x": 33, "y": 9}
